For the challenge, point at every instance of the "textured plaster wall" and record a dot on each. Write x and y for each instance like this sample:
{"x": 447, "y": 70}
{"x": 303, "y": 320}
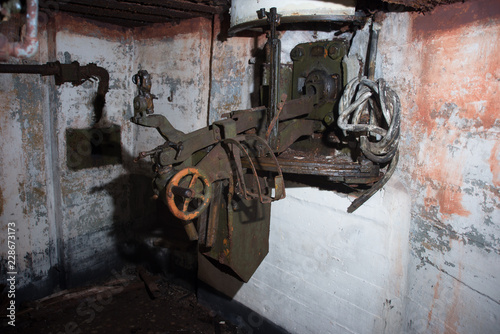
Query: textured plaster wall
{"x": 420, "y": 256}
{"x": 445, "y": 67}
{"x": 178, "y": 58}
{"x": 66, "y": 220}
{"x": 92, "y": 204}
{"x": 25, "y": 175}
{"x": 75, "y": 225}
{"x": 235, "y": 86}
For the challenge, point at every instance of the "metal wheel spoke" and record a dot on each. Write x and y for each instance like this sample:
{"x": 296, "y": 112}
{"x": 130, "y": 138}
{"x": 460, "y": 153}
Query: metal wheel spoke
{"x": 193, "y": 181}
{"x": 186, "y": 204}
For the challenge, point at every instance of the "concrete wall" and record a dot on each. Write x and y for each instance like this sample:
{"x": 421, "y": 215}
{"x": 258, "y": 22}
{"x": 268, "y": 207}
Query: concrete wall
{"x": 74, "y": 225}
{"x": 421, "y": 256}
{"x": 26, "y": 176}
{"x": 445, "y": 67}
{"x": 92, "y": 202}
{"x": 66, "y": 219}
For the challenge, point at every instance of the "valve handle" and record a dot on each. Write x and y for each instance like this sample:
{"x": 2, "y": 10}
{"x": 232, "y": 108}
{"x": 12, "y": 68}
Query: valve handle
{"x": 189, "y": 193}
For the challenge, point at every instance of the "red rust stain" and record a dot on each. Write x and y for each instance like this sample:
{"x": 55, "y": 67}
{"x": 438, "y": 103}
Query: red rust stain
{"x": 458, "y": 92}
{"x": 450, "y": 202}
{"x": 454, "y": 16}
{"x": 442, "y": 173}
{"x": 85, "y": 27}
{"x": 447, "y": 197}
{"x": 434, "y": 298}
{"x": 495, "y": 164}
{"x": 458, "y": 65}
{"x": 453, "y": 315}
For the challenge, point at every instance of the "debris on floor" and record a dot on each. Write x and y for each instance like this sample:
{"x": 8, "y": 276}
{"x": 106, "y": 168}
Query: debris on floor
{"x": 134, "y": 301}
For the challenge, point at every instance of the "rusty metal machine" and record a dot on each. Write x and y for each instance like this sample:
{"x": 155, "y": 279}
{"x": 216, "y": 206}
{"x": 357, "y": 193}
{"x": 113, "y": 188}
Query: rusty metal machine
{"x": 221, "y": 180}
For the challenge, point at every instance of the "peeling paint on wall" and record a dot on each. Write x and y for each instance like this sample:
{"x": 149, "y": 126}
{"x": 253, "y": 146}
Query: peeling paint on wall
{"x": 235, "y": 71}
{"x": 495, "y": 164}
{"x": 446, "y": 70}
{"x": 74, "y": 224}
{"x": 445, "y": 66}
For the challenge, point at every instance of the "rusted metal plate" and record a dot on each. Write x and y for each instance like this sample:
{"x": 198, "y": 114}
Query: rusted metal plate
{"x": 242, "y": 239}
{"x": 335, "y": 169}
{"x": 317, "y": 72}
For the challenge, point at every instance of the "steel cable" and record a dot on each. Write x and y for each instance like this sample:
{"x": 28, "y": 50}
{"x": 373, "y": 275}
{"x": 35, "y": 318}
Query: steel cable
{"x": 370, "y": 110}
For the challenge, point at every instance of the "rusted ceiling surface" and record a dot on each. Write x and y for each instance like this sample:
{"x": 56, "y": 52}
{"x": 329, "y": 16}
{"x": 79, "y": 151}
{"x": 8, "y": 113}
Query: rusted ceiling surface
{"x": 132, "y": 13}
{"x": 421, "y": 5}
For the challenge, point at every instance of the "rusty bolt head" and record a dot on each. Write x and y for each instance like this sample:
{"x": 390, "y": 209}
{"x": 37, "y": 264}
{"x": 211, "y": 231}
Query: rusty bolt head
{"x": 334, "y": 51}
{"x": 297, "y": 53}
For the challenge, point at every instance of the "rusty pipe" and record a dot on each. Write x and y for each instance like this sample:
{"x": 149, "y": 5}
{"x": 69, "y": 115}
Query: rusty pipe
{"x": 29, "y": 45}
{"x": 73, "y": 73}
{"x": 43, "y": 70}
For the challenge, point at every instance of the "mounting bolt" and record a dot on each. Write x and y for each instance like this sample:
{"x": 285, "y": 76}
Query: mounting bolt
{"x": 328, "y": 119}
{"x": 334, "y": 51}
{"x": 297, "y": 53}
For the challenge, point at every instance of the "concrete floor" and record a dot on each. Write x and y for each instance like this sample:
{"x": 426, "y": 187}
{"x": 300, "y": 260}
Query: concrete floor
{"x": 120, "y": 305}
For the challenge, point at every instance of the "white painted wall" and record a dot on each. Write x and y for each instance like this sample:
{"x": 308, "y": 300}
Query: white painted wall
{"x": 328, "y": 271}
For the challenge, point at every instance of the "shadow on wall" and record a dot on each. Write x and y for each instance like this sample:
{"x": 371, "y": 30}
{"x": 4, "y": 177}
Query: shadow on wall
{"x": 150, "y": 236}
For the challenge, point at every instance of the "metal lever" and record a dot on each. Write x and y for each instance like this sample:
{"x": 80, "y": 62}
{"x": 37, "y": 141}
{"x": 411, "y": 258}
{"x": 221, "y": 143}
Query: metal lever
{"x": 275, "y": 59}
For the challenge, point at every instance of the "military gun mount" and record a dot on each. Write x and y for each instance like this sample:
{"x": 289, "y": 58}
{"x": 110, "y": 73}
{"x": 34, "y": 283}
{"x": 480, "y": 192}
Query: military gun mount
{"x": 220, "y": 180}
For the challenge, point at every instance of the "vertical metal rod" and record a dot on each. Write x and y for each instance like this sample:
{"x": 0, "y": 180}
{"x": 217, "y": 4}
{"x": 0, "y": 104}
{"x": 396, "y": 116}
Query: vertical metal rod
{"x": 275, "y": 55}
{"x": 373, "y": 46}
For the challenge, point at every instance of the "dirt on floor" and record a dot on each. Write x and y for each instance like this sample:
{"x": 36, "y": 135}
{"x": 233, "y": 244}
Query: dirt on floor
{"x": 133, "y": 301}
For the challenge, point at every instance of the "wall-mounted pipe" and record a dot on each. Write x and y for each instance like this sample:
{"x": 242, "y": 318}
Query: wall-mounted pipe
{"x": 28, "y": 46}
{"x": 73, "y": 73}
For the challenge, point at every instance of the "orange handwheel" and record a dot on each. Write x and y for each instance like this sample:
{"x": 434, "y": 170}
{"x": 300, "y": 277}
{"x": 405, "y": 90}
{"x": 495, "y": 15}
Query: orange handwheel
{"x": 188, "y": 193}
